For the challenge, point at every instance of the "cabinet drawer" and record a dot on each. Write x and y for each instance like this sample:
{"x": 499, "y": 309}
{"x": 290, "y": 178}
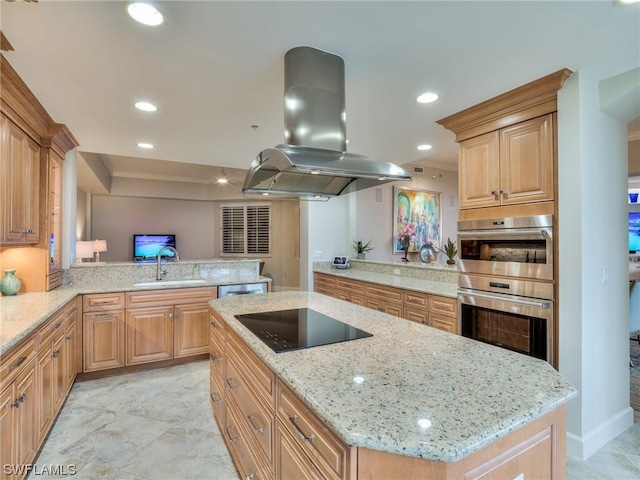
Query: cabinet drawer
{"x": 258, "y": 420}
{"x": 15, "y": 360}
{"x": 252, "y": 368}
{"x": 443, "y": 305}
{"x": 216, "y": 356}
{"x": 443, "y": 322}
{"x": 315, "y": 439}
{"x": 173, "y": 296}
{"x": 385, "y": 293}
{"x": 217, "y": 327}
{"x": 54, "y": 280}
{"x": 416, "y": 299}
{"x": 235, "y": 437}
{"x": 326, "y": 282}
{"x": 353, "y": 286}
{"x": 216, "y": 396}
{"x": 291, "y": 461}
{"x": 416, "y": 314}
{"x": 102, "y": 301}
{"x": 51, "y": 327}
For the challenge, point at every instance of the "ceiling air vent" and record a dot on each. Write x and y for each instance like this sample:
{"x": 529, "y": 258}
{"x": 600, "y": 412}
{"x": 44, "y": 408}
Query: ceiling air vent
{"x": 418, "y": 170}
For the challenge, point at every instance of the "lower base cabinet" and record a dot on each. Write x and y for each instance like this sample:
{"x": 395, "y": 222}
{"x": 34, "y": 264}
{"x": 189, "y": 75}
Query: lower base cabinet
{"x": 303, "y": 447}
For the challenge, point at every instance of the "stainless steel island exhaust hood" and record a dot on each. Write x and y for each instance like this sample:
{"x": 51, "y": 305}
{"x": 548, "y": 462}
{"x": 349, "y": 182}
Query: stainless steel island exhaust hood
{"x": 314, "y": 162}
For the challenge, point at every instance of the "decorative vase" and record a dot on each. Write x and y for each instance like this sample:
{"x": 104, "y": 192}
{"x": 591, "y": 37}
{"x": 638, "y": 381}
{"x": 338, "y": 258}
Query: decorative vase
{"x": 451, "y": 261}
{"x": 361, "y": 256}
{"x": 10, "y": 284}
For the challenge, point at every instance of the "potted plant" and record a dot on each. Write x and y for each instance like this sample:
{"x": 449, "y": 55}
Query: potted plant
{"x": 362, "y": 248}
{"x": 449, "y": 250}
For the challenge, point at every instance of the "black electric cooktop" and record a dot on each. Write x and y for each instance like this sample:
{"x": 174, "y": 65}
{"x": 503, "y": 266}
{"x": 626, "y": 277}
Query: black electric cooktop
{"x": 285, "y": 330}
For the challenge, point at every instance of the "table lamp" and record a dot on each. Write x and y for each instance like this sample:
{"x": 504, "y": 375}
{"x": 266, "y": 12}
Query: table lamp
{"x": 83, "y": 250}
{"x": 99, "y": 246}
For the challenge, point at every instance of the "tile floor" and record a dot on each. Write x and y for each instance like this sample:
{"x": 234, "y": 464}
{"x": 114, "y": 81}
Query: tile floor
{"x": 158, "y": 425}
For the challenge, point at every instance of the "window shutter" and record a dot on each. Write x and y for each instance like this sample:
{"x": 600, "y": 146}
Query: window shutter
{"x": 233, "y": 229}
{"x": 246, "y": 229}
{"x": 258, "y": 229}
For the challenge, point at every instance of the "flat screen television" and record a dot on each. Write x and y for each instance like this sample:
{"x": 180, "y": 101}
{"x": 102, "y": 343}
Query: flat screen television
{"x": 634, "y": 232}
{"x": 147, "y": 246}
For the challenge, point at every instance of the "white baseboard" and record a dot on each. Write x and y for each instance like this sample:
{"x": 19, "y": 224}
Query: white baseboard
{"x": 585, "y": 446}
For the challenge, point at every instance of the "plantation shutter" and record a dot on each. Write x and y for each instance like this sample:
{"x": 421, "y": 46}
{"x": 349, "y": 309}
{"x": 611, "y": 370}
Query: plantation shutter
{"x": 245, "y": 229}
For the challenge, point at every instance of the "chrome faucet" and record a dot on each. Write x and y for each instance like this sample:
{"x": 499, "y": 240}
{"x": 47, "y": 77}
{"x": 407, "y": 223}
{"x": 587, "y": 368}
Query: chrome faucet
{"x": 159, "y": 272}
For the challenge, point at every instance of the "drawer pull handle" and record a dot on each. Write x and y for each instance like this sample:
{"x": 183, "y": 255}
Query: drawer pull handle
{"x": 55, "y": 354}
{"x": 213, "y": 398}
{"x": 56, "y": 326}
{"x": 214, "y": 356}
{"x": 104, "y": 302}
{"x": 106, "y": 314}
{"x": 252, "y": 476}
{"x": 215, "y": 325}
{"x": 306, "y": 439}
{"x": 232, "y": 439}
{"x": 256, "y": 429}
{"x": 231, "y": 386}
{"x": 18, "y": 363}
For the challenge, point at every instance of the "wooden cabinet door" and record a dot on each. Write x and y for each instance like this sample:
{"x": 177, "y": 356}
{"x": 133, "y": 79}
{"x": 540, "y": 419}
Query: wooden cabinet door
{"x": 20, "y": 169}
{"x": 479, "y": 167}
{"x": 191, "y": 329}
{"x": 59, "y": 379}
{"x": 149, "y": 335}
{"x": 45, "y": 378}
{"x": 25, "y": 420}
{"x": 103, "y": 340}
{"x": 526, "y": 161}
{"x": 7, "y": 433}
{"x": 70, "y": 361}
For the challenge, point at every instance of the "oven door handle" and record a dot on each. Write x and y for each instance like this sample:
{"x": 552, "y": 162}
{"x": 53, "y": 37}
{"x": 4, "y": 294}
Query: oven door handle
{"x": 508, "y": 235}
{"x": 529, "y": 303}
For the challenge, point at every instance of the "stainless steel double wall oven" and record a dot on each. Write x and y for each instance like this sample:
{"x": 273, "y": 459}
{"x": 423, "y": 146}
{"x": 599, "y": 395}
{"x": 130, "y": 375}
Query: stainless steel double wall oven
{"x": 505, "y": 287}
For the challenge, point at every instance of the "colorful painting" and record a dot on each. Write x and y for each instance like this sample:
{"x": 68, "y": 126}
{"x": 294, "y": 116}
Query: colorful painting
{"x": 416, "y": 219}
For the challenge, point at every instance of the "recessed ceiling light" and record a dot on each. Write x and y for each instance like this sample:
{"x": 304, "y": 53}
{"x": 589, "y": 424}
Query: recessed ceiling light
{"x": 145, "y": 14}
{"x": 146, "y": 106}
{"x": 222, "y": 180}
{"x": 424, "y": 147}
{"x": 427, "y": 97}
{"x": 625, "y": 2}
{"x": 145, "y": 145}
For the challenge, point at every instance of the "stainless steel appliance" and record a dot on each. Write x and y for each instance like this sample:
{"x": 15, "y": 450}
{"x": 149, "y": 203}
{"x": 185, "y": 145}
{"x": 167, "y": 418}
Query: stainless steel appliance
{"x": 241, "y": 289}
{"x": 517, "y": 247}
{"x": 505, "y": 289}
{"x": 285, "y": 330}
{"x": 514, "y": 314}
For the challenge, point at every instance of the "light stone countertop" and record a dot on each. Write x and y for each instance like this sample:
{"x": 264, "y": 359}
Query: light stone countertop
{"x": 471, "y": 393}
{"x": 445, "y": 289}
{"x": 22, "y": 314}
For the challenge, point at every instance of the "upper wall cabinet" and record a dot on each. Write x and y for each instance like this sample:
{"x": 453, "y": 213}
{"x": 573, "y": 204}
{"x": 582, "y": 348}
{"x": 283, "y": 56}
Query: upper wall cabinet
{"x": 510, "y": 166}
{"x": 19, "y": 183}
{"x": 508, "y": 149}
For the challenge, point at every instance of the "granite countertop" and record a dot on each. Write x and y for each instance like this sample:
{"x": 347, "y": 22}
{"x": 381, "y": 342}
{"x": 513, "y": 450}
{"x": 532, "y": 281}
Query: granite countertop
{"x": 465, "y": 393}
{"x": 22, "y": 314}
{"x": 390, "y": 280}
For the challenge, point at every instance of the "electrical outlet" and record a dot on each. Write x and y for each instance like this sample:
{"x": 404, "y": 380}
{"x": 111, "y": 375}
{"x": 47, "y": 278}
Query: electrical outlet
{"x": 317, "y": 254}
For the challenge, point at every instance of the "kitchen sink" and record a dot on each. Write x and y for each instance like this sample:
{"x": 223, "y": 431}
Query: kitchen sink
{"x": 169, "y": 282}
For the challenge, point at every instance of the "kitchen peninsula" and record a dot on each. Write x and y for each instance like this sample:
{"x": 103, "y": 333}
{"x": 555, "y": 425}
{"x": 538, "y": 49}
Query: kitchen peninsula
{"x": 407, "y": 402}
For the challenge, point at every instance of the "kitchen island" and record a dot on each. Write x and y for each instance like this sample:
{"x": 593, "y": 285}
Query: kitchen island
{"x": 411, "y": 400}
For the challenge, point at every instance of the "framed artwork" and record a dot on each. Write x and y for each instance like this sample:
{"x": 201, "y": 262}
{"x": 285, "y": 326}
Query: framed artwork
{"x": 416, "y": 219}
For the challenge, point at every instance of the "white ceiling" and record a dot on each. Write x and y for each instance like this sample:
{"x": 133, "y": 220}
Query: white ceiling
{"x": 216, "y": 68}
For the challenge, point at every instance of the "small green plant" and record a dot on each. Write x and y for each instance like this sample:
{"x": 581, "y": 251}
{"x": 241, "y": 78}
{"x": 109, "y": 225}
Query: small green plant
{"x": 449, "y": 250}
{"x": 361, "y": 247}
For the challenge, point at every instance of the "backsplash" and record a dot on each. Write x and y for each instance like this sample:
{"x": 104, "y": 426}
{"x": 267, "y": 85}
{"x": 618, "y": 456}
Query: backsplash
{"x": 127, "y": 272}
{"x": 445, "y": 274}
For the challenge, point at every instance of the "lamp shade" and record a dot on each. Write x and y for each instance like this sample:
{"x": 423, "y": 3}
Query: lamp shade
{"x": 84, "y": 250}
{"x": 99, "y": 246}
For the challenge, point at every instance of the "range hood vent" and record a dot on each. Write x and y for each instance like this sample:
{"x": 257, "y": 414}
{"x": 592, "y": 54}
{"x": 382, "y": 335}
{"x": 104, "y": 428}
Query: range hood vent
{"x": 314, "y": 162}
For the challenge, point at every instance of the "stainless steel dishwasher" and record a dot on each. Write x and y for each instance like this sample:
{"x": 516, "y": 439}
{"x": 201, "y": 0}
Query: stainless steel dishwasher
{"x": 242, "y": 289}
